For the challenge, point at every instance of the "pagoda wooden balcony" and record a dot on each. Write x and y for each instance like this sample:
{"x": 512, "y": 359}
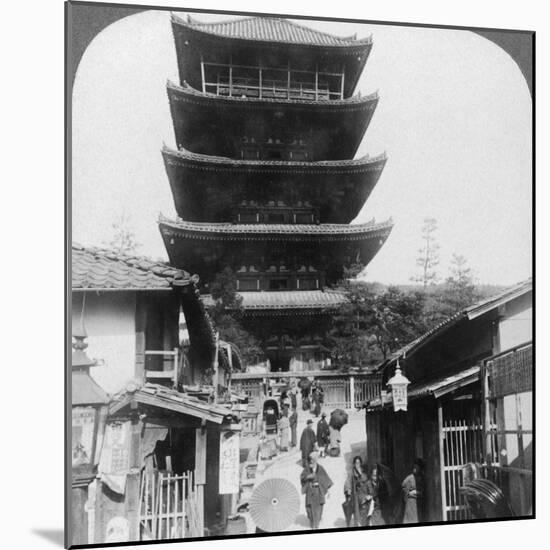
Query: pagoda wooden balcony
{"x": 269, "y": 83}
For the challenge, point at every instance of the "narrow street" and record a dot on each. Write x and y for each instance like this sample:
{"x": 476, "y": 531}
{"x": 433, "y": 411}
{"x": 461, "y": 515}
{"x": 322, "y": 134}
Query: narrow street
{"x": 288, "y": 466}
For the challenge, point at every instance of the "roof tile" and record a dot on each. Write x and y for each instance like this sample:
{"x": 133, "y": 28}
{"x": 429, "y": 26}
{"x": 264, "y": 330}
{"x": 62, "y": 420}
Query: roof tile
{"x": 271, "y": 29}
{"x": 101, "y": 269}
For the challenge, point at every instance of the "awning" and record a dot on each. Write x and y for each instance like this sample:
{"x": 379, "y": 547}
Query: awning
{"x": 436, "y": 388}
{"x": 442, "y": 386}
{"x": 162, "y": 397}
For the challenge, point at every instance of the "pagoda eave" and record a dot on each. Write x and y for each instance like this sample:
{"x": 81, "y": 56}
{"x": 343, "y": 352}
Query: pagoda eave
{"x": 208, "y": 123}
{"x": 274, "y": 232}
{"x": 204, "y": 187}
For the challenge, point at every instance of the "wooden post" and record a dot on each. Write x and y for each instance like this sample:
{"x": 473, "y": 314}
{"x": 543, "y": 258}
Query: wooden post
{"x": 133, "y": 478}
{"x": 288, "y": 81}
{"x": 316, "y": 81}
{"x": 200, "y": 471}
{"x": 176, "y": 363}
{"x": 260, "y": 80}
{"x": 342, "y": 82}
{"x": 231, "y": 77}
{"x": 441, "y": 459}
{"x": 202, "y": 75}
{"x": 352, "y": 392}
{"x": 216, "y": 365}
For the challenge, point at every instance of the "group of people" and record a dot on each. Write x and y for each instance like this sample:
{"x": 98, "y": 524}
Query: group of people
{"x": 369, "y": 500}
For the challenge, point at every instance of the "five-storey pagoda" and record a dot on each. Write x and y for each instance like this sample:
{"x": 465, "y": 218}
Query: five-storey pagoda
{"x": 264, "y": 178}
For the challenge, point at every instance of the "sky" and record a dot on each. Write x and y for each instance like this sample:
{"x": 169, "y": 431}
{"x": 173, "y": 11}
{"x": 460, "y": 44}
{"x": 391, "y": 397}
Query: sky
{"x": 454, "y": 118}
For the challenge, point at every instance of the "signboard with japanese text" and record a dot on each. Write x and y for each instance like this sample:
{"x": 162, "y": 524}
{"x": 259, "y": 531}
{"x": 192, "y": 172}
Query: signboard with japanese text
{"x": 229, "y": 463}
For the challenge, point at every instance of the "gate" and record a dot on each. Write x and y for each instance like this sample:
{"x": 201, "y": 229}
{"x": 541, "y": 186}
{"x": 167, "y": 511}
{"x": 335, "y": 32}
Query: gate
{"x": 462, "y": 442}
{"x": 168, "y": 506}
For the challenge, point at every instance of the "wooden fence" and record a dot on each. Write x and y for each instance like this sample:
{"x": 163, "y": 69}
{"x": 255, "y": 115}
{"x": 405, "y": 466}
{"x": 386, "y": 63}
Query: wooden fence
{"x": 169, "y": 506}
{"x": 342, "y": 391}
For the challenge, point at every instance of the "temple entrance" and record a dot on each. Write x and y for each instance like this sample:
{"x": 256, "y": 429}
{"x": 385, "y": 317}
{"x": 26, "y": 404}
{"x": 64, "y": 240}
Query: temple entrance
{"x": 280, "y": 364}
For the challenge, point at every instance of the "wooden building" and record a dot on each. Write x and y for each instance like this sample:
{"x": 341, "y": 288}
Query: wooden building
{"x": 470, "y": 400}
{"x": 153, "y": 477}
{"x": 131, "y": 306}
{"x": 264, "y": 178}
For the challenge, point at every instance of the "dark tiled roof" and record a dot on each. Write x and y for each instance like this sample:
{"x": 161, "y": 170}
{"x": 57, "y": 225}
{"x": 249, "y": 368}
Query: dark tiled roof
{"x": 356, "y": 102}
{"x": 261, "y": 230}
{"x": 325, "y": 165}
{"x": 467, "y": 313}
{"x": 293, "y": 299}
{"x": 102, "y": 269}
{"x": 271, "y": 29}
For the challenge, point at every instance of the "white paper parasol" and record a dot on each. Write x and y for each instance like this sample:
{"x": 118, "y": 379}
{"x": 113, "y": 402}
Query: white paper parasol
{"x": 274, "y": 504}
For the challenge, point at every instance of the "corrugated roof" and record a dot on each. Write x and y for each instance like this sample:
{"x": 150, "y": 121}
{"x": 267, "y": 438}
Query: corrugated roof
{"x": 160, "y": 396}
{"x": 230, "y": 230}
{"x": 271, "y": 29}
{"x": 185, "y": 155}
{"x": 102, "y": 269}
{"x": 293, "y": 299}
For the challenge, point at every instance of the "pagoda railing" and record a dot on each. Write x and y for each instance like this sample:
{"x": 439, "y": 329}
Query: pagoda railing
{"x": 225, "y": 80}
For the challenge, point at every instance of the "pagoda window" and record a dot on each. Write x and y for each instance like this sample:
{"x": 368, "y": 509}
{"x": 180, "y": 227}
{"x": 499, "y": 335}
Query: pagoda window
{"x": 307, "y": 284}
{"x": 248, "y": 284}
{"x": 250, "y": 153}
{"x": 247, "y": 216}
{"x": 278, "y": 284}
{"x": 275, "y": 217}
{"x": 304, "y": 217}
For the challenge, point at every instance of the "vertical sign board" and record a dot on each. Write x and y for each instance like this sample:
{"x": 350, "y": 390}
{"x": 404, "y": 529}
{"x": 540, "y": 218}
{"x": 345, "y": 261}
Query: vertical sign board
{"x": 229, "y": 463}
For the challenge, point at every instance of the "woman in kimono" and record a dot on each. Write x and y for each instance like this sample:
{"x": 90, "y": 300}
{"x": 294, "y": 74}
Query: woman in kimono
{"x": 284, "y": 429}
{"x": 315, "y": 485}
{"x": 316, "y": 401}
{"x": 377, "y": 494}
{"x": 412, "y": 488}
{"x": 293, "y": 421}
{"x": 356, "y": 492}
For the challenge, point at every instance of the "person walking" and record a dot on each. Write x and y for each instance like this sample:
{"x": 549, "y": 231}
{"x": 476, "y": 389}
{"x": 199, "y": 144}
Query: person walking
{"x": 307, "y": 442}
{"x": 413, "y": 493}
{"x": 293, "y": 421}
{"x": 284, "y": 430}
{"x": 315, "y": 401}
{"x": 357, "y": 493}
{"x": 315, "y": 485}
{"x": 376, "y": 494}
{"x": 323, "y": 435}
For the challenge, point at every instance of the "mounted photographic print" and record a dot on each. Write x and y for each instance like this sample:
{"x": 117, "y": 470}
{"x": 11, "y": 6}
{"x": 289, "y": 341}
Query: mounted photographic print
{"x": 301, "y": 261}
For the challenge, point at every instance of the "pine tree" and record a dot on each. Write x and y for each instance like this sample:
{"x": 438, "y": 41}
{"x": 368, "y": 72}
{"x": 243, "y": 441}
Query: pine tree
{"x": 428, "y": 258}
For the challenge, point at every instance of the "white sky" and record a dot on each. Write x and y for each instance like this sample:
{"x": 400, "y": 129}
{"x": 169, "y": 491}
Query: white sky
{"x": 454, "y": 117}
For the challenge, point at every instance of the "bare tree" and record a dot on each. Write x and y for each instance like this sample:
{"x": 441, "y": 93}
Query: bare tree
{"x": 428, "y": 258}
{"x": 123, "y": 240}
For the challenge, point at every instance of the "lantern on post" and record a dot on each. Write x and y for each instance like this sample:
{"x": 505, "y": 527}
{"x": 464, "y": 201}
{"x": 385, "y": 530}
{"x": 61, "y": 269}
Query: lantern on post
{"x": 398, "y": 385}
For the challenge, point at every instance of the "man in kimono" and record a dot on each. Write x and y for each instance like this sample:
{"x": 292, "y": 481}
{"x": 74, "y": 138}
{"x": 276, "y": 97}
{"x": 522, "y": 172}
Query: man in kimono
{"x": 307, "y": 442}
{"x": 293, "y": 419}
{"x": 315, "y": 485}
{"x": 323, "y": 435}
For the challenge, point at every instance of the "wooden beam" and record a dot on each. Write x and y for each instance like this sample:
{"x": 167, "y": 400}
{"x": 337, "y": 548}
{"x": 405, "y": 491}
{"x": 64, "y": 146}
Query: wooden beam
{"x": 200, "y": 472}
{"x": 441, "y": 437}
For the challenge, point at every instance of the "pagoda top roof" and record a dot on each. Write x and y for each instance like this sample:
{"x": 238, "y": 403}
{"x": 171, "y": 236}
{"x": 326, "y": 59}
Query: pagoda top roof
{"x": 271, "y": 29}
{"x": 364, "y": 161}
{"x": 272, "y": 230}
{"x": 288, "y": 299}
